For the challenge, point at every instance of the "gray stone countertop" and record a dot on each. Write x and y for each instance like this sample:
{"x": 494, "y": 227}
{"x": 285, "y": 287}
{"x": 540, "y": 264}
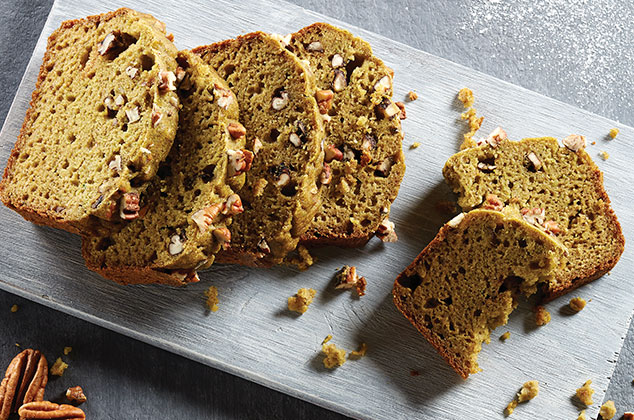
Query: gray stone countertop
{"x": 577, "y": 52}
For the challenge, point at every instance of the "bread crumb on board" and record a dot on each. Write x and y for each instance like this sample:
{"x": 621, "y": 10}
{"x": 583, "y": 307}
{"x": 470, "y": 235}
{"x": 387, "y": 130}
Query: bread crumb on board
{"x": 357, "y": 354}
{"x": 327, "y": 339}
{"x": 415, "y": 145}
{"x": 604, "y": 155}
{"x": 302, "y": 299}
{"x": 542, "y": 316}
{"x": 577, "y": 304}
{"x": 15, "y": 308}
{"x": 302, "y": 259}
{"x": 614, "y": 132}
{"x": 529, "y": 391}
{"x": 58, "y": 367}
{"x": 212, "y": 298}
{"x": 335, "y": 357}
{"x": 607, "y": 410}
{"x": 67, "y": 350}
{"x": 505, "y": 336}
{"x": 465, "y": 95}
{"x": 582, "y": 415}
{"x": 585, "y": 393}
{"x": 412, "y": 96}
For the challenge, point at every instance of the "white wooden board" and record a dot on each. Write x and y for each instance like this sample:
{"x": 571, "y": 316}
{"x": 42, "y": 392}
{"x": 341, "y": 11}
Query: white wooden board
{"x": 253, "y": 336}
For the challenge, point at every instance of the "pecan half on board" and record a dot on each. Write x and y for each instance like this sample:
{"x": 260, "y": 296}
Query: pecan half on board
{"x": 51, "y": 411}
{"x": 24, "y": 382}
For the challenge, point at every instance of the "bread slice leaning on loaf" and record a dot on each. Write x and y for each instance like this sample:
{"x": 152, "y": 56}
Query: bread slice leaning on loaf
{"x": 466, "y": 281}
{"x": 364, "y": 161}
{"x": 281, "y": 194}
{"x": 557, "y": 188}
{"x": 103, "y": 116}
{"x": 191, "y": 201}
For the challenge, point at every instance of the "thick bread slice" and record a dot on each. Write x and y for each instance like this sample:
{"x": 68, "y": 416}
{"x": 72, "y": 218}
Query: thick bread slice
{"x": 363, "y": 135}
{"x": 103, "y": 116}
{"x": 187, "y": 212}
{"x": 539, "y": 174}
{"x": 466, "y": 281}
{"x": 277, "y": 106}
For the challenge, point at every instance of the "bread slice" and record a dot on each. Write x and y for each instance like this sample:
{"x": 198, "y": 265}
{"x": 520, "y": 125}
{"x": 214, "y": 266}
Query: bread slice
{"x": 363, "y": 135}
{"x": 277, "y": 106}
{"x": 537, "y": 174}
{"x": 103, "y": 116}
{"x": 190, "y": 203}
{"x": 466, "y": 281}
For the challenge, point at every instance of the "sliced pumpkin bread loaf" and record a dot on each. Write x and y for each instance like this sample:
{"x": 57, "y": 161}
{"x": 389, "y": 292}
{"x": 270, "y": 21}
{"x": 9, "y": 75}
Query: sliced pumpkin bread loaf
{"x": 558, "y": 188}
{"x": 277, "y": 106}
{"x": 190, "y": 203}
{"x": 466, "y": 281}
{"x": 103, "y": 116}
{"x": 364, "y": 162}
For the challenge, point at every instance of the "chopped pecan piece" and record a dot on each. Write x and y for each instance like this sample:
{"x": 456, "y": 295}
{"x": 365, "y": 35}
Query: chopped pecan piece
{"x": 239, "y": 161}
{"x": 339, "y": 82}
{"x": 263, "y": 246}
{"x": 326, "y": 174}
{"x": 494, "y": 138}
{"x": 115, "y": 164}
{"x": 534, "y": 216}
{"x": 332, "y": 152}
{"x": 257, "y": 145}
{"x": 383, "y": 85}
{"x": 384, "y": 167}
{"x": 133, "y": 114}
{"x": 110, "y": 42}
{"x": 236, "y": 130}
{"x": 347, "y": 278}
{"x": 223, "y": 236}
{"x": 282, "y": 174}
{"x": 76, "y": 395}
{"x": 166, "y": 81}
{"x": 233, "y": 205}
{"x": 455, "y": 222}
{"x": 157, "y": 115}
{"x": 387, "y": 108}
{"x": 324, "y": 100}
{"x": 574, "y": 142}
{"x": 24, "y": 381}
{"x": 337, "y": 60}
{"x": 552, "y": 227}
{"x": 280, "y": 101}
{"x": 205, "y": 217}
{"x": 131, "y": 72}
{"x": 401, "y": 106}
{"x": 493, "y": 202}
{"x": 315, "y": 46}
{"x": 176, "y": 245}
{"x": 534, "y": 161}
{"x": 386, "y": 232}
{"x": 51, "y": 411}
{"x": 369, "y": 142}
{"x": 225, "y": 99}
{"x": 129, "y": 207}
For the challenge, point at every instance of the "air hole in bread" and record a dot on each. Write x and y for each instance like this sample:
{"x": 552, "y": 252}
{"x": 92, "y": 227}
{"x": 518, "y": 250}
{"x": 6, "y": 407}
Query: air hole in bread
{"x": 147, "y": 62}
{"x": 207, "y": 174}
{"x": 352, "y": 65}
{"x": 411, "y": 282}
{"x": 121, "y": 43}
{"x": 290, "y": 189}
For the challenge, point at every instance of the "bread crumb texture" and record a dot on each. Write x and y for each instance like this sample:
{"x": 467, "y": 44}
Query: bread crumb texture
{"x": 302, "y": 299}
{"x": 607, "y": 410}
{"x": 577, "y": 304}
{"x": 415, "y": 145}
{"x": 505, "y": 336}
{"x": 357, "y": 354}
{"x": 585, "y": 393}
{"x": 614, "y": 132}
{"x": 582, "y": 415}
{"x": 327, "y": 339}
{"x": 335, "y": 357}
{"x": 67, "y": 350}
{"x": 604, "y": 155}
{"x": 14, "y": 308}
{"x": 58, "y": 367}
{"x": 412, "y": 96}
{"x": 542, "y": 316}
{"x": 528, "y": 391}
{"x": 212, "y": 298}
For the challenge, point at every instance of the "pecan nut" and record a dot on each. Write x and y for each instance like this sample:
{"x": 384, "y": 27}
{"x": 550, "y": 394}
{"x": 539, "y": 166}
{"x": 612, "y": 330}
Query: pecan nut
{"x": 24, "y": 382}
{"x": 48, "y": 410}
{"x": 76, "y": 395}
{"x": 129, "y": 207}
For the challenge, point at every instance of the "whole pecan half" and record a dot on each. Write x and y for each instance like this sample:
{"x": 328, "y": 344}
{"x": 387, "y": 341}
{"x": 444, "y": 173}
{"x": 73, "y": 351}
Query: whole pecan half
{"x": 48, "y": 410}
{"x": 24, "y": 382}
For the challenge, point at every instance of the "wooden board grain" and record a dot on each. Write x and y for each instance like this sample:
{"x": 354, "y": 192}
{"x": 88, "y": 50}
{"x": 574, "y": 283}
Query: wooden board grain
{"x": 252, "y": 335}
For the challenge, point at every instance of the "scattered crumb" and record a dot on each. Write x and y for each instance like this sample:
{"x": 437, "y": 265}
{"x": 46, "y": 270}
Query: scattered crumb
{"x": 58, "y": 367}
{"x": 577, "y": 304}
{"x": 542, "y": 316}
{"x": 604, "y": 155}
{"x": 628, "y": 416}
{"x": 18, "y": 345}
{"x": 412, "y": 96}
{"x": 415, "y": 145}
{"x": 529, "y": 391}
{"x": 475, "y": 123}
{"x": 301, "y": 259}
{"x": 465, "y": 95}
{"x": 357, "y": 354}
{"x": 505, "y": 336}
{"x": 347, "y": 278}
{"x": 593, "y": 143}
{"x": 607, "y": 410}
{"x": 15, "y": 308}
{"x": 299, "y": 303}
{"x": 582, "y": 415}
{"x": 327, "y": 339}
{"x": 76, "y": 395}
{"x": 67, "y": 350}
{"x": 334, "y": 356}
{"x": 446, "y": 207}
{"x": 212, "y": 298}
{"x": 414, "y": 373}
{"x": 614, "y": 132}
{"x": 585, "y": 393}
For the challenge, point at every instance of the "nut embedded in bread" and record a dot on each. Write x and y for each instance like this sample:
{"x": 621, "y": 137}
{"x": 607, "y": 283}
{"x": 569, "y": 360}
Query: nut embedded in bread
{"x": 466, "y": 281}
{"x": 103, "y": 116}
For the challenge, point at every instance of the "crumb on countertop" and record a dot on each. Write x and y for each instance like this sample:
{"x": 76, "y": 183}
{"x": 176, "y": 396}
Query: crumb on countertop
{"x": 412, "y": 96}
{"x": 58, "y": 367}
{"x": 465, "y": 95}
{"x": 327, "y": 339}
{"x": 15, "y": 308}
{"x": 585, "y": 393}
{"x": 76, "y": 395}
{"x": 301, "y": 259}
{"x": 212, "y": 298}
{"x": 474, "y": 122}
{"x": 67, "y": 350}
{"x": 505, "y": 336}
{"x": 529, "y": 391}
{"x": 414, "y": 373}
{"x": 607, "y": 410}
{"x": 593, "y": 143}
{"x": 614, "y": 132}
{"x": 604, "y": 155}
{"x": 577, "y": 304}
{"x": 299, "y": 303}
{"x": 415, "y": 145}
{"x": 542, "y": 316}
{"x": 334, "y": 357}
{"x": 582, "y": 415}
{"x": 357, "y": 354}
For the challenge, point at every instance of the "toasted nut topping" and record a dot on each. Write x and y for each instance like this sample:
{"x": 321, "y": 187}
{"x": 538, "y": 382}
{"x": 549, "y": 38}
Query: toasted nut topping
{"x": 76, "y": 395}
{"x": 339, "y": 82}
{"x": 167, "y": 79}
{"x": 176, "y": 245}
{"x": 494, "y": 138}
{"x": 369, "y": 142}
{"x": 279, "y": 102}
{"x": 257, "y": 145}
{"x": 326, "y": 174}
{"x": 239, "y": 161}
{"x": 534, "y": 216}
{"x": 493, "y": 202}
{"x": 386, "y": 232}
{"x": 315, "y": 46}
{"x": 574, "y": 142}
{"x": 233, "y": 205}
{"x": 534, "y": 160}
{"x": 107, "y": 44}
{"x": 263, "y": 246}
{"x": 456, "y": 220}
{"x": 129, "y": 207}
{"x": 332, "y": 152}
{"x": 295, "y": 140}
{"x": 387, "y": 108}
{"x": 133, "y": 114}
{"x": 225, "y": 99}
{"x": 383, "y": 85}
{"x": 384, "y": 168}
{"x": 236, "y": 130}
{"x": 401, "y": 106}
{"x": 223, "y": 236}
{"x": 324, "y": 100}
{"x": 205, "y": 217}
{"x": 483, "y": 166}
{"x": 337, "y": 61}
{"x": 157, "y": 115}
{"x": 115, "y": 163}
{"x": 119, "y": 100}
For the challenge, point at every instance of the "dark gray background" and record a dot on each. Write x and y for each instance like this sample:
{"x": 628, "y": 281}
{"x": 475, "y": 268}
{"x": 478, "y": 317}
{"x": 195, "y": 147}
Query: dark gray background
{"x": 579, "y": 54}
